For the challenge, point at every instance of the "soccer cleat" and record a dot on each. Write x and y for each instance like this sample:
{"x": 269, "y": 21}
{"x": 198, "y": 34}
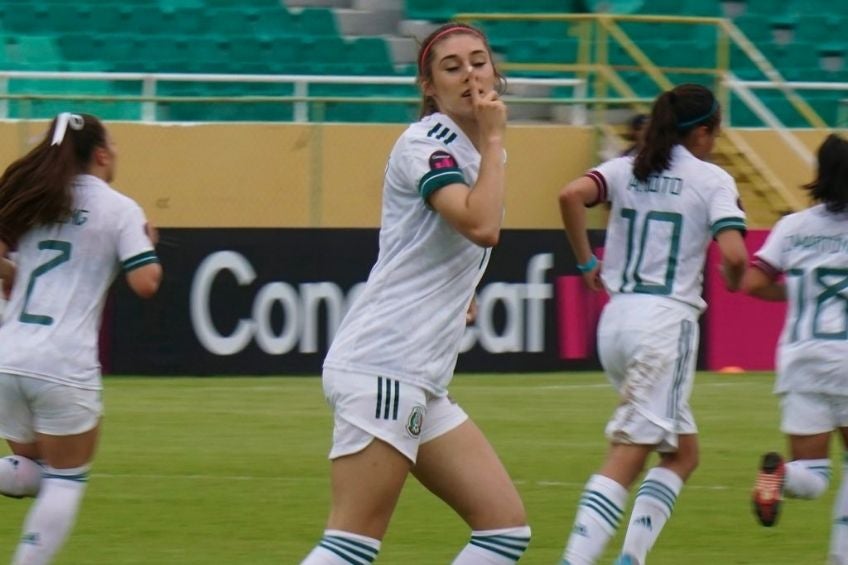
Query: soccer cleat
{"x": 626, "y": 560}
{"x": 768, "y": 490}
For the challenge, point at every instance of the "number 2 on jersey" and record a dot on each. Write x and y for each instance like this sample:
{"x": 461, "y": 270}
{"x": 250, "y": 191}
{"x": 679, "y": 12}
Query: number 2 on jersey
{"x": 64, "y": 250}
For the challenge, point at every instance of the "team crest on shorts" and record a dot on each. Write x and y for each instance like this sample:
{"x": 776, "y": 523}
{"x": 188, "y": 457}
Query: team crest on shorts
{"x": 415, "y": 421}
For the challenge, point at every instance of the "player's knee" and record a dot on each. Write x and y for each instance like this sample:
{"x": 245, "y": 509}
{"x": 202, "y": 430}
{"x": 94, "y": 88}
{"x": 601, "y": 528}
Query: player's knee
{"x": 683, "y": 462}
{"x": 19, "y": 476}
{"x": 505, "y": 542}
{"x": 692, "y": 461}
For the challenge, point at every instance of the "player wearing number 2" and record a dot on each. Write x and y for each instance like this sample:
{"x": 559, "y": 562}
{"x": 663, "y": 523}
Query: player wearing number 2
{"x": 667, "y": 204}
{"x": 810, "y": 248}
{"x": 72, "y": 233}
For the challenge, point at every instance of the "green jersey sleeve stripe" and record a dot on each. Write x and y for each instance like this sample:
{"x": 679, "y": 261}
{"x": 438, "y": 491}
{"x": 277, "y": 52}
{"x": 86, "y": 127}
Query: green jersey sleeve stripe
{"x": 727, "y": 224}
{"x": 434, "y": 180}
{"x": 140, "y": 260}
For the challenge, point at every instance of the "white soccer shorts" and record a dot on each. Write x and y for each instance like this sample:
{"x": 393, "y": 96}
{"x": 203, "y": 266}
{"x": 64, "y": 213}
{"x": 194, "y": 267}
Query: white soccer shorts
{"x": 367, "y": 407}
{"x": 812, "y": 413}
{"x": 649, "y": 348}
{"x": 29, "y": 406}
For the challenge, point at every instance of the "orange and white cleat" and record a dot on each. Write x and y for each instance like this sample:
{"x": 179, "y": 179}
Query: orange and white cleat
{"x": 768, "y": 490}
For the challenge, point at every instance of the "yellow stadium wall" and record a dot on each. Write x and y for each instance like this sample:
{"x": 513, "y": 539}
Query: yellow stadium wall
{"x": 330, "y": 175}
{"x": 290, "y": 175}
{"x": 784, "y": 163}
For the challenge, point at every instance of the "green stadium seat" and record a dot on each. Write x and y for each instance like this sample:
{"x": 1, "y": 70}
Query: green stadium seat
{"x": 25, "y": 18}
{"x": 181, "y": 4}
{"x": 248, "y": 49}
{"x": 615, "y": 6}
{"x": 74, "y": 46}
{"x": 563, "y": 51}
{"x": 640, "y": 82}
{"x": 436, "y": 10}
{"x": 797, "y": 55}
{"x": 34, "y": 108}
{"x": 826, "y": 105}
{"x": 441, "y": 10}
{"x": 31, "y": 51}
{"x": 228, "y": 21}
{"x": 769, "y": 8}
{"x": 274, "y": 22}
{"x": 106, "y": 19}
{"x": 502, "y": 32}
{"x": 756, "y": 28}
{"x": 814, "y": 26}
{"x": 323, "y": 50}
{"x": 226, "y": 111}
{"x": 67, "y": 17}
{"x": 708, "y": 8}
{"x": 182, "y": 21}
{"x": 371, "y": 52}
{"x": 361, "y": 112}
{"x": 316, "y": 22}
{"x": 242, "y": 3}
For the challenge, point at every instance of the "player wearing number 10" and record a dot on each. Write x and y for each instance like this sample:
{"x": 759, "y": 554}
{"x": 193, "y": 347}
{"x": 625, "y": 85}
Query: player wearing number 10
{"x": 72, "y": 233}
{"x": 811, "y": 249}
{"x": 667, "y": 204}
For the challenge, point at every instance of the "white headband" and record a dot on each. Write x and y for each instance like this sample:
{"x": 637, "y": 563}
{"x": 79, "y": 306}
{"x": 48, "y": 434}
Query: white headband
{"x": 64, "y": 120}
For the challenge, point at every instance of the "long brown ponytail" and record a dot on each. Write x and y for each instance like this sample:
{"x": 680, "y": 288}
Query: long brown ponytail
{"x": 36, "y": 189}
{"x": 674, "y": 115}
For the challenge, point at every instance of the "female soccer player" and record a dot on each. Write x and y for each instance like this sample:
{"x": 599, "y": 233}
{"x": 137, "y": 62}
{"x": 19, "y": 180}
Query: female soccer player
{"x": 72, "y": 233}
{"x": 810, "y": 248}
{"x": 387, "y": 371}
{"x": 667, "y": 204}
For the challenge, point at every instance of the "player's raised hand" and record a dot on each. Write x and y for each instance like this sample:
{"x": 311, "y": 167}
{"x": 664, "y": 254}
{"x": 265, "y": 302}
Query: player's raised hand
{"x": 489, "y": 110}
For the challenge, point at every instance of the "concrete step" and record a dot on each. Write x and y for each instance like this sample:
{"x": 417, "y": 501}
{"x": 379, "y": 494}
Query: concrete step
{"x": 318, "y": 3}
{"x": 377, "y": 5}
{"x": 403, "y": 50}
{"x": 417, "y": 29}
{"x": 367, "y": 22}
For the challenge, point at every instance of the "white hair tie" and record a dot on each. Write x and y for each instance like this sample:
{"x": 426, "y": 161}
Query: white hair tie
{"x": 64, "y": 120}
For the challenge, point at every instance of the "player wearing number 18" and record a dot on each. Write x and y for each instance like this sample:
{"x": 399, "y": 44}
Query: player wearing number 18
{"x": 72, "y": 233}
{"x": 810, "y": 248}
{"x": 667, "y": 204}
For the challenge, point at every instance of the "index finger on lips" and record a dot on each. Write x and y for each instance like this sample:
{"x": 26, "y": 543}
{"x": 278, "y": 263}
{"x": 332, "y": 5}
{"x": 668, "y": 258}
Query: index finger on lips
{"x": 475, "y": 89}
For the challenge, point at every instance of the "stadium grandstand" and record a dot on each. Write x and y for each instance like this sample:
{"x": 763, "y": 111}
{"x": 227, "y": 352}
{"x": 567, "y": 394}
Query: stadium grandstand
{"x": 234, "y": 60}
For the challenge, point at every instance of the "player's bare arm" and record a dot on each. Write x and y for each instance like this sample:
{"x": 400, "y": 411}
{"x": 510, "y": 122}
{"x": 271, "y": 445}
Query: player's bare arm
{"x": 573, "y": 199}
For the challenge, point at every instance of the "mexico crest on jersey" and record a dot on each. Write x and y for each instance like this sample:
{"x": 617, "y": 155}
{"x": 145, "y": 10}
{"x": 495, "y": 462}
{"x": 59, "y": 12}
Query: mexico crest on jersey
{"x": 415, "y": 421}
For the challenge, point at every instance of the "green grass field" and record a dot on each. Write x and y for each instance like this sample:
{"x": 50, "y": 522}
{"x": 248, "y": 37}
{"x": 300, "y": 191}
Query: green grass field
{"x": 234, "y": 471}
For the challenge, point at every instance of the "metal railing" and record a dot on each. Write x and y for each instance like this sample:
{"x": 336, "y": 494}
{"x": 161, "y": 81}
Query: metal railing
{"x": 301, "y": 98}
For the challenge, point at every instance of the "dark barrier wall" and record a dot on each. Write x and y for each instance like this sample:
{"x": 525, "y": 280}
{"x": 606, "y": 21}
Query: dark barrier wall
{"x": 267, "y": 301}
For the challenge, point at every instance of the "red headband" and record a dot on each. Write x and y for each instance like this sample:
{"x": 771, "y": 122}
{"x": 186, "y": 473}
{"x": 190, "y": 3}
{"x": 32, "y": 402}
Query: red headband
{"x": 445, "y": 31}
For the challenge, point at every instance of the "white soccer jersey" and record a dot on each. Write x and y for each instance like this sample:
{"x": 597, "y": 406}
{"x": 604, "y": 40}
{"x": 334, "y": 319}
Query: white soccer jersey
{"x": 811, "y": 249}
{"x": 659, "y": 230}
{"x": 408, "y": 322}
{"x": 50, "y": 327}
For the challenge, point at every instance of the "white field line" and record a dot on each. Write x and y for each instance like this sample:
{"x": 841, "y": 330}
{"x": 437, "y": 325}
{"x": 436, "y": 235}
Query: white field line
{"x": 244, "y": 478}
{"x": 487, "y": 388}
